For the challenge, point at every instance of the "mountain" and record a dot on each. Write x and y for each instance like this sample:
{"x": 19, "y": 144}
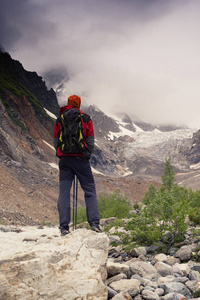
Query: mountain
{"x": 28, "y": 182}
{"x": 129, "y": 153}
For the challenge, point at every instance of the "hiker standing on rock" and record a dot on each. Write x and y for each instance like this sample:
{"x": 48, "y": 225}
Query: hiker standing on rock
{"x": 74, "y": 144}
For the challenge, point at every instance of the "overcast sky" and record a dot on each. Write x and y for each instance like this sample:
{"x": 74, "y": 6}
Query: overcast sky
{"x": 139, "y": 56}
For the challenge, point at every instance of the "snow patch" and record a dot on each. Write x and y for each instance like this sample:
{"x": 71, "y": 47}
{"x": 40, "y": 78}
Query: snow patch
{"x": 195, "y": 167}
{"x": 50, "y": 114}
{"x": 94, "y": 171}
{"x": 49, "y": 145}
{"x": 137, "y": 128}
{"x": 53, "y": 165}
{"x": 196, "y": 176}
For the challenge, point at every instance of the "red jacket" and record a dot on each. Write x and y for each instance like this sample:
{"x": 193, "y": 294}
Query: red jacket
{"x": 88, "y": 133}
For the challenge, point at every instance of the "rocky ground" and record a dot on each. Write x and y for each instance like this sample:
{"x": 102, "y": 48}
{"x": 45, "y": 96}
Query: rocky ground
{"x": 143, "y": 273}
{"x": 148, "y": 273}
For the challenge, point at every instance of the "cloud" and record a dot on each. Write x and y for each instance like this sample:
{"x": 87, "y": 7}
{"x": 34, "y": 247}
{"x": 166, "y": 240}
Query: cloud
{"x": 141, "y": 56}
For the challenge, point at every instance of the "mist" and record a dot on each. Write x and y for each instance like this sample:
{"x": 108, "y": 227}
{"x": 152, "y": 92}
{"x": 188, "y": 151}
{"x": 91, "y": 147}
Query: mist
{"x": 139, "y": 56}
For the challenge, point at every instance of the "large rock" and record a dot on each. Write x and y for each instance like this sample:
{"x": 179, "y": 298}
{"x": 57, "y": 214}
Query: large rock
{"x": 122, "y": 296}
{"x": 142, "y": 268}
{"x": 149, "y": 295}
{"x": 163, "y": 269}
{"x": 116, "y": 268}
{"x": 176, "y": 287}
{"x": 184, "y": 253}
{"x": 132, "y": 286}
{"x": 54, "y": 267}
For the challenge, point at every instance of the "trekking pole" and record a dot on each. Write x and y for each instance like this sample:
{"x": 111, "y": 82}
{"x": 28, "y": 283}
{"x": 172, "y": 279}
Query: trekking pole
{"x": 75, "y": 200}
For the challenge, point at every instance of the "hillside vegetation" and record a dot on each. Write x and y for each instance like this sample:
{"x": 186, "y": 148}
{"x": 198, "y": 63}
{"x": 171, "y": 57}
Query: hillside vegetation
{"x": 163, "y": 215}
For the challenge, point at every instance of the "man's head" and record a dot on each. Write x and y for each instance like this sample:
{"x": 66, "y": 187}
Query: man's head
{"x": 74, "y": 101}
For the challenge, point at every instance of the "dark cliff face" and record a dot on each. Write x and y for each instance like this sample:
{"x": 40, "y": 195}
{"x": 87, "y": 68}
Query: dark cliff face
{"x": 193, "y": 156}
{"x": 13, "y": 71}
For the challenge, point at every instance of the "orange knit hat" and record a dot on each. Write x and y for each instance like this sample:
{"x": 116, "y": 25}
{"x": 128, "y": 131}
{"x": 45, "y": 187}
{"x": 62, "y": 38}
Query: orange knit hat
{"x": 74, "y": 101}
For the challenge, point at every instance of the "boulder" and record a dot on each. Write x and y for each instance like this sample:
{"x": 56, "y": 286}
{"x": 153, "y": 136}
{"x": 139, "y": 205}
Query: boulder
{"x": 174, "y": 296}
{"x": 176, "y": 287}
{"x": 160, "y": 257}
{"x": 184, "y": 268}
{"x": 142, "y": 268}
{"x": 138, "y": 251}
{"x": 184, "y": 253}
{"x": 163, "y": 269}
{"x": 55, "y": 267}
{"x": 149, "y": 295}
{"x": 116, "y": 278}
{"x": 132, "y": 286}
{"x": 193, "y": 285}
{"x": 116, "y": 268}
{"x": 122, "y": 296}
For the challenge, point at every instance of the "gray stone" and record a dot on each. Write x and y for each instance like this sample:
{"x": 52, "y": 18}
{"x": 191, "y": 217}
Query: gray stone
{"x": 142, "y": 268}
{"x": 173, "y": 250}
{"x": 111, "y": 292}
{"x": 122, "y": 296}
{"x": 181, "y": 279}
{"x": 159, "y": 291}
{"x": 172, "y": 260}
{"x": 160, "y": 257}
{"x": 194, "y": 275}
{"x": 115, "y": 239}
{"x": 116, "y": 268}
{"x": 184, "y": 268}
{"x": 193, "y": 285}
{"x": 138, "y": 278}
{"x": 150, "y": 283}
{"x": 132, "y": 286}
{"x": 149, "y": 288}
{"x": 149, "y": 295}
{"x": 176, "y": 270}
{"x": 163, "y": 269}
{"x": 174, "y": 296}
{"x": 138, "y": 297}
{"x": 184, "y": 253}
{"x": 196, "y": 268}
{"x": 154, "y": 248}
{"x": 138, "y": 251}
{"x": 163, "y": 280}
{"x": 176, "y": 287}
{"x": 116, "y": 278}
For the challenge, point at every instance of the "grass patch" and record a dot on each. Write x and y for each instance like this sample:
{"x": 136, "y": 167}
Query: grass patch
{"x": 110, "y": 205}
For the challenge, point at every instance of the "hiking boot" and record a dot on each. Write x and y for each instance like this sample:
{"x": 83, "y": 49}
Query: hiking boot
{"x": 64, "y": 231}
{"x": 95, "y": 227}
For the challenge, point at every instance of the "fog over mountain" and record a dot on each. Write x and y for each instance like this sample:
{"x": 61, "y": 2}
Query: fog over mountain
{"x": 141, "y": 56}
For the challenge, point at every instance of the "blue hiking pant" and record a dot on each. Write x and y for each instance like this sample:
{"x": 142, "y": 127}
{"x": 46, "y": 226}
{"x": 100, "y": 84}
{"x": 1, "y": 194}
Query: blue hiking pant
{"x": 69, "y": 166}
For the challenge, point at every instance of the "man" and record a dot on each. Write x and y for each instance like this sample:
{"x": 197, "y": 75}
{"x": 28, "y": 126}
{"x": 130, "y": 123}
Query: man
{"x": 74, "y": 160}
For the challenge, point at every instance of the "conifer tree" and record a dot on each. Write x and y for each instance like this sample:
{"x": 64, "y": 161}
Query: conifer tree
{"x": 168, "y": 176}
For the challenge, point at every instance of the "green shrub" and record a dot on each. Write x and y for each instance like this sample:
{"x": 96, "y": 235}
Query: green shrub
{"x": 168, "y": 176}
{"x": 163, "y": 215}
{"x": 194, "y": 207}
{"x": 110, "y": 205}
{"x": 114, "y": 205}
{"x": 160, "y": 217}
